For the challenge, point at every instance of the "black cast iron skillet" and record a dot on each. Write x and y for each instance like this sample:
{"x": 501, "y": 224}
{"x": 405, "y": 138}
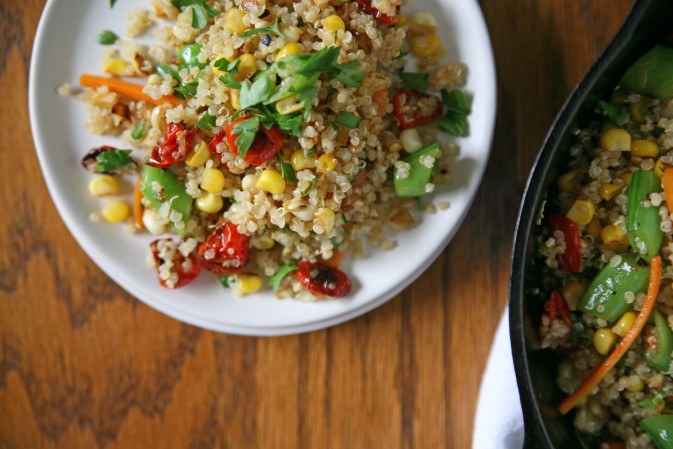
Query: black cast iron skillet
{"x": 649, "y": 22}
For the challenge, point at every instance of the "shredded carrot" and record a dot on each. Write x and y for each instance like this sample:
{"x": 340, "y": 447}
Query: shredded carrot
{"x": 624, "y": 344}
{"x": 130, "y": 90}
{"x": 138, "y": 206}
{"x": 667, "y": 184}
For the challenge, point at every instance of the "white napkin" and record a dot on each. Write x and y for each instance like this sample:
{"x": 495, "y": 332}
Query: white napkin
{"x": 498, "y": 423}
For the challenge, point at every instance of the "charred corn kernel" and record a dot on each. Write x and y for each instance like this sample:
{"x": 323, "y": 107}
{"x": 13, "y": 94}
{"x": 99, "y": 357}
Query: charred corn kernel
{"x": 233, "y": 21}
{"x": 104, "y": 185}
{"x": 299, "y": 161}
{"x": 263, "y": 242}
{"x": 608, "y": 191}
{"x": 248, "y": 283}
{"x": 247, "y": 66}
{"x": 603, "y": 340}
{"x": 644, "y": 148}
{"x": 271, "y": 181}
{"x": 659, "y": 167}
{"x": 153, "y": 222}
{"x": 115, "y": 211}
{"x": 401, "y": 20}
{"x": 326, "y": 163}
{"x": 568, "y": 181}
{"x": 198, "y": 156}
{"x": 411, "y": 140}
{"x": 235, "y": 97}
{"x": 292, "y": 48}
{"x": 616, "y": 139}
{"x": 326, "y": 217}
{"x": 624, "y": 324}
{"x": 614, "y": 238}
{"x": 119, "y": 67}
{"x": 289, "y": 105}
{"x": 422, "y": 22}
{"x": 425, "y": 46}
{"x": 582, "y": 211}
{"x": 626, "y": 177}
{"x": 637, "y": 387}
{"x": 594, "y": 228}
{"x": 209, "y": 202}
{"x": 334, "y": 23}
{"x": 212, "y": 180}
{"x": 573, "y": 292}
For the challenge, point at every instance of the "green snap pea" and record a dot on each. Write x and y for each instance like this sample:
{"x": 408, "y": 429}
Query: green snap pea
{"x": 171, "y": 190}
{"x": 605, "y": 296}
{"x": 422, "y": 168}
{"x": 660, "y": 357}
{"x": 652, "y": 74}
{"x": 188, "y": 56}
{"x": 643, "y": 223}
{"x": 660, "y": 429}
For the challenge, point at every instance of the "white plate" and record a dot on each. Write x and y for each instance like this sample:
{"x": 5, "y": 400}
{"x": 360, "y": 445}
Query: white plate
{"x": 65, "y": 47}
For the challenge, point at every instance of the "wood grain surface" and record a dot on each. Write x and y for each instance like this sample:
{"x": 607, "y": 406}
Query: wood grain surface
{"x": 85, "y": 365}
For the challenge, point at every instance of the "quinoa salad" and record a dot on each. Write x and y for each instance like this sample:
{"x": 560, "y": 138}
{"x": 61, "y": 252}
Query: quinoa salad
{"x": 606, "y": 244}
{"x": 269, "y": 141}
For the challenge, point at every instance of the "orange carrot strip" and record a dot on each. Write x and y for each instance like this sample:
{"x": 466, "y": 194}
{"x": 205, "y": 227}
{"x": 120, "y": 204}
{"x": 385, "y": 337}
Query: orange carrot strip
{"x": 131, "y": 90}
{"x": 138, "y": 206}
{"x": 667, "y": 184}
{"x": 624, "y": 344}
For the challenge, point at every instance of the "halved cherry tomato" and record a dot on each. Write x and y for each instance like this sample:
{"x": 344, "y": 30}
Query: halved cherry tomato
{"x": 212, "y": 146}
{"x": 558, "y": 308}
{"x": 265, "y": 146}
{"x": 186, "y": 268}
{"x": 414, "y": 109}
{"x": 173, "y": 147}
{"x": 571, "y": 260}
{"x": 366, "y": 6}
{"x": 322, "y": 279}
{"x": 225, "y": 251}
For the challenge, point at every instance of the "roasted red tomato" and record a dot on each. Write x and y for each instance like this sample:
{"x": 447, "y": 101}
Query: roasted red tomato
{"x": 212, "y": 146}
{"x": 557, "y": 308}
{"x": 185, "y": 268}
{"x": 366, "y": 6}
{"x": 322, "y": 279}
{"x": 225, "y": 251}
{"x": 571, "y": 260}
{"x": 265, "y": 146}
{"x": 414, "y": 109}
{"x": 173, "y": 147}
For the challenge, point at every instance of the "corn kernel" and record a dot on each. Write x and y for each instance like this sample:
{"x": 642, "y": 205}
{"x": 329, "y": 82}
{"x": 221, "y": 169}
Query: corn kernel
{"x": 411, "y": 140}
{"x": 626, "y": 177}
{"x": 326, "y": 217}
{"x": 644, "y": 148}
{"x": 209, "y": 202}
{"x": 198, "y": 156}
{"x": 235, "y": 97}
{"x": 104, "y": 185}
{"x": 233, "y": 21}
{"x": 153, "y": 222}
{"x": 636, "y": 110}
{"x": 572, "y": 292}
{"x": 594, "y": 228}
{"x": 299, "y": 161}
{"x": 395, "y": 147}
{"x": 614, "y": 238}
{"x": 608, "y": 191}
{"x": 212, "y": 180}
{"x": 247, "y": 66}
{"x": 659, "y": 167}
{"x": 119, "y": 67}
{"x": 568, "y": 181}
{"x": 334, "y": 23}
{"x": 248, "y": 283}
{"x": 401, "y": 20}
{"x": 624, "y": 324}
{"x": 616, "y": 139}
{"x": 637, "y": 388}
{"x": 425, "y": 46}
{"x": 216, "y": 71}
{"x": 582, "y": 211}
{"x": 423, "y": 22}
{"x": 660, "y": 406}
{"x": 603, "y": 340}
{"x": 292, "y": 33}
{"x": 263, "y": 242}
{"x": 271, "y": 181}
{"x": 292, "y": 48}
{"x": 326, "y": 163}
{"x": 115, "y": 211}
{"x": 289, "y": 105}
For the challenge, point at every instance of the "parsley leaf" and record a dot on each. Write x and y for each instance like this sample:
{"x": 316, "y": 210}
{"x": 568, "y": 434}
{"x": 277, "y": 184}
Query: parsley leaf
{"x": 187, "y": 90}
{"x": 224, "y": 280}
{"x": 284, "y": 270}
{"x": 138, "y": 132}
{"x": 286, "y": 171}
{"x": 652, "y": 402}
{"x": 199, "y": 10}
{"x": 616, "y": 114}
{"x": 348, "y": 120}
{"x": 111, "y": 160}
{"x": 311, "y": 186}
{"x": 255, "y": 93}
{"x": 199, "y": 19}
{"x": 272, "y": 29}
{"x": 229, "y": 81}
{"x": 416, "y": 81}
{"x": 246, "y": 130}
{"x": 454, "y": 121}
{"x": 224, "y": 65}
{"x": 206, "y": 122}
{"x": 307, "y": 96}
{"x": 107, "y": 37}
{"x": 349, "y": 74}
{"x": 321, "y": 62}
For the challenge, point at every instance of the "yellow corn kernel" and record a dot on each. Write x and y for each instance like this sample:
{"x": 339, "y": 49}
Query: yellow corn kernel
{"x": 608, "y": 191}
{"x": 247, "y": 66}
{"x": 115, "y": 211}
{"x": 423, "y": 23}
{"x": 637, "y": 388}
{"x": 104, "y": 185}
{"x": 198, "y": 156}
{"x": 326, "y": 163}
{"x": 644, "y": 148}
{"x": 334, "y": 23}
{"x": 263, "y": 242}
{"x": 271, "y": 181}
{"x": 572, "y": 292}
{"x": 659, "y": 167}
{"x": 425, "y": 46}
{"x": 660, "y": 406}
{"x": 216, "y": 71}
{"x": 289, "y": 105}
{"x": 119, "y": 67}
{"x": 248, "y": 283}
{"x": 624, "y": 324}
{"x": 568, "y": 181}
{"x": 395, "y": 147}
{"x": 292, "y": 48}
{"x": 616, "y": 139}
{"x": 212, "y": 180}
{"x": 636, "y": 110}
{"x": 582, "y": 211}
{"x": 299, "y": 161}
{"x": 235, "y": 97}
{"x": 209, "y": 202}
{"x": 626, "y": 177}
{"x": 594, "y": 228}
{"x": 603, "y": 340}
{"x": 401, "y": 20}
{"x": 292, "y": 33}
{"x": 233, "y": 21}
{"x": 614, "y": 238}
{"x": 326, "y": 217}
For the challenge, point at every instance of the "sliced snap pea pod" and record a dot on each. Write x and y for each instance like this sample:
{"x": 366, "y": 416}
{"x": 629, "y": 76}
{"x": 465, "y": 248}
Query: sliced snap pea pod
{"x": 422, "y": 168}
{"x": 643, "y": 223}
{"x": 172, "y": 190}
{"x": 652, "y": 74}
{"x": 188, "y": 56}
{"x": 605, "y": 296}
{"x": 660, "y": 429}
{"x": 660, "y": 357}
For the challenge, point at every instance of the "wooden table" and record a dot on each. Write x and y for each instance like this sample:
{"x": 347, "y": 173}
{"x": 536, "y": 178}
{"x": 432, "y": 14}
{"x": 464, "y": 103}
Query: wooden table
{"x": 85, "y": 365}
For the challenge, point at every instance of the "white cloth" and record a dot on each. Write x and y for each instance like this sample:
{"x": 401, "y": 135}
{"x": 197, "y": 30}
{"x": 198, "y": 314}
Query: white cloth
{"x": 498, "y": 423}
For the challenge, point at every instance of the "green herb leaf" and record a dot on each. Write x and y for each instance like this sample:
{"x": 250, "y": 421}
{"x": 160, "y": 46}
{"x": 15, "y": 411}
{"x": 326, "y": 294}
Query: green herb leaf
{"x": 187, "y": 90}
{"x": 255, "y": 93}
{"x": 138, "y": 131}
{"x": 199, "y": 19}
{"x": 229, "y": 81}
{"x": 224, "y": 280}
{"x": 165, "y": 69}
{"x": 455, "y": 101}
{"x": 651, "y": 403}
{"x": 286, "y": 171}
{"x": 111, "y": 160}
{"x": 206, "y": 122}
{"x": 272, "y": 29}
{"x": 616, "y": 114}
{"x": 348, "y": 120}
{"x": 456, "y": 125}
{"x": 290, "y": 123}
{"x": 107, "y": 37}
{"x": 246, "y": 130}
{"x": 321, "y": 62}
{"x": 402, "y": 54}
{"x": 454, "y": 121}
{"x": 307, "y": 96}
{"x": 224, "y": 65}
{"x": 416, "y": 81}
{"x": 112, "y": 3}
{"x": 349, "y": 73}
{"x": 311, "y": 186}
{"x": 284, "y": 270}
